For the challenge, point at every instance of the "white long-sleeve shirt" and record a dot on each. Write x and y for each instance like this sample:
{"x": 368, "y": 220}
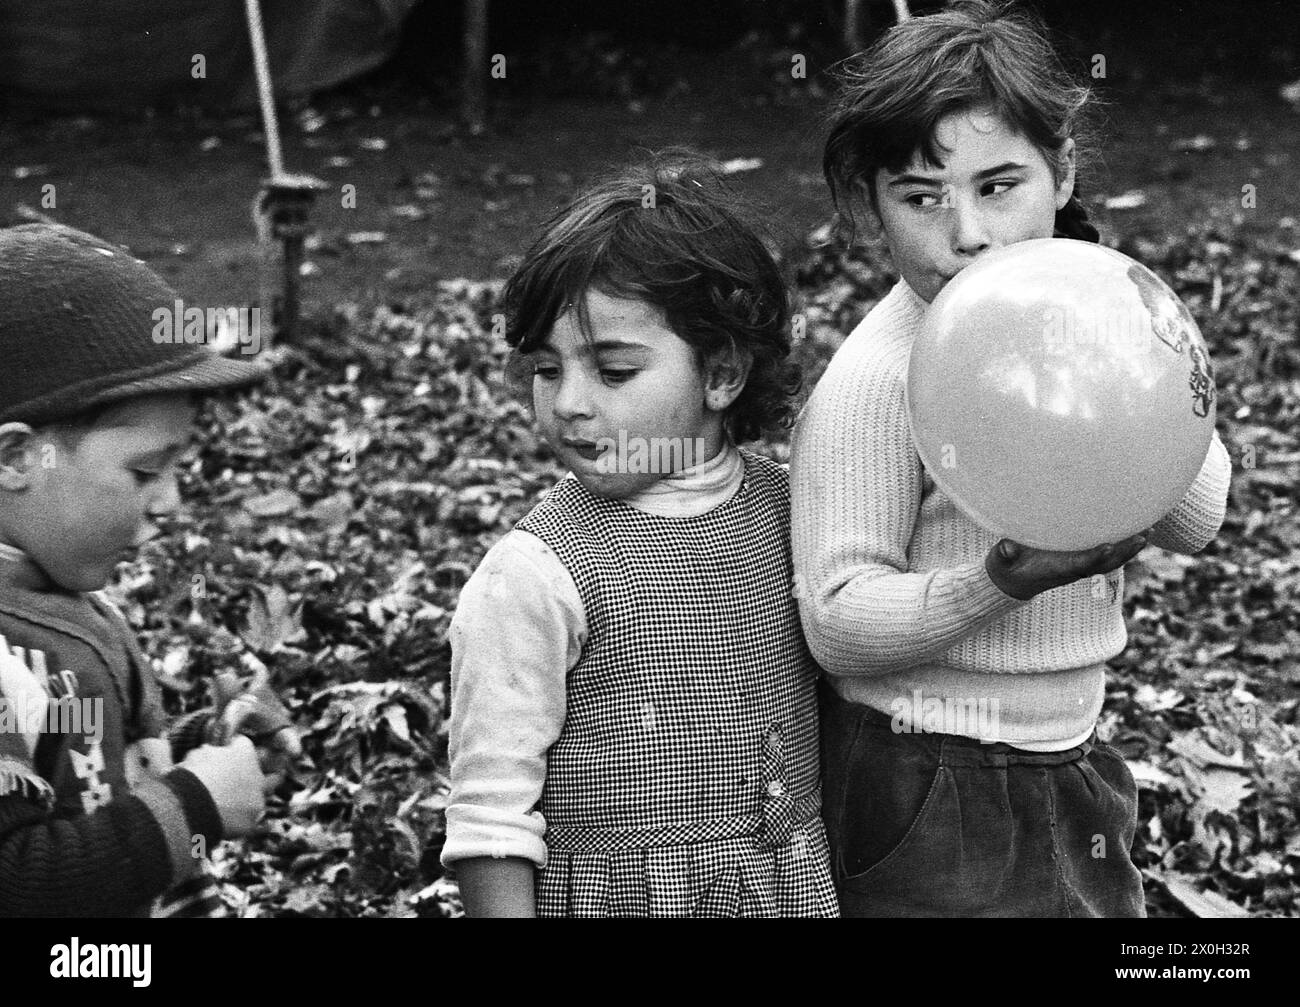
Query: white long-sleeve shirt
{"x": 895, "y": 601}
{"x": 518, "y": 631}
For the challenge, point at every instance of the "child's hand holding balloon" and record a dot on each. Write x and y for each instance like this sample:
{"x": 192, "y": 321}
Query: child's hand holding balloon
{"x": 1022, "y": 571}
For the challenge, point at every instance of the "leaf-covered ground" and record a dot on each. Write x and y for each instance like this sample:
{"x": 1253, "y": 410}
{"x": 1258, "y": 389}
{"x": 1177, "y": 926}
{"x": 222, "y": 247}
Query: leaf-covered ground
{"x": 335, "y": 513}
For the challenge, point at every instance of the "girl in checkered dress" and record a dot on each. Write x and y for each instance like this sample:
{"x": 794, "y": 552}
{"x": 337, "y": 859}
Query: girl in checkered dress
{"x": 634, "y": 725}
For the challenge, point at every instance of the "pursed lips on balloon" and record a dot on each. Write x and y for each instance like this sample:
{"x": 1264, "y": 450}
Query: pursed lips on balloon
{"x": 945, "y": 276}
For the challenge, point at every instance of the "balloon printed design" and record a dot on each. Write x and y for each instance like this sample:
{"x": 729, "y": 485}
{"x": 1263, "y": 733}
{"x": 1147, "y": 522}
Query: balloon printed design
{"x": 1170, "y": 319}
{"x": 1202, "y": 382}
{"x": 1172, "y": 324}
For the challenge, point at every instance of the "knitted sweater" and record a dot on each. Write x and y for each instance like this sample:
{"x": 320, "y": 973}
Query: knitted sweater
{"x": 894, "y": 597}
{"x": 79, "y": 836}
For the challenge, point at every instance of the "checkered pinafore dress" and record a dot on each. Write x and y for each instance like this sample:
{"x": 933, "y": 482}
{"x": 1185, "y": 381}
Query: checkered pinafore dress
{"x": 685, "y": 781}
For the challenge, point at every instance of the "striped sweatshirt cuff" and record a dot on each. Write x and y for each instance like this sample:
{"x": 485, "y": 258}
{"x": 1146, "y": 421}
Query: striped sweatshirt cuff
{"x": 167, "y": 811}
{"x": 201, "y": 814}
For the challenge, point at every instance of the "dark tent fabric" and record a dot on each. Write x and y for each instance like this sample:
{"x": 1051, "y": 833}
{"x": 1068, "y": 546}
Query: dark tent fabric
{"x": 107, "y": 54}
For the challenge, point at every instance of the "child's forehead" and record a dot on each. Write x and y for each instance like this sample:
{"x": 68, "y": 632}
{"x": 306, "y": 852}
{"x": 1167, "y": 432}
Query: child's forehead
{"x": 152, "y": 423}
{"x": 977, "y": 119}
{"x": 610, "y": 319}
{"x": 971, "y": 133}
{"x": 617, "y": 309}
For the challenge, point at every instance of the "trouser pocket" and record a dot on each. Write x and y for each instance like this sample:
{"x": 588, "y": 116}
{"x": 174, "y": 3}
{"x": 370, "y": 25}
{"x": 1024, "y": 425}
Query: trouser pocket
{"x": 883, "y": 794}
{"x": 1096, "y": 820}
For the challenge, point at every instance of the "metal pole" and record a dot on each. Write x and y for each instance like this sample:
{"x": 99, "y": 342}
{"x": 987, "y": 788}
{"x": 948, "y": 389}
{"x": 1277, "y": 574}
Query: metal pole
{"x": 262, "y": 69}
{"x": 852, "y": 25}
{"x": 474, "y": 98}
{"x": 284, "y": 199}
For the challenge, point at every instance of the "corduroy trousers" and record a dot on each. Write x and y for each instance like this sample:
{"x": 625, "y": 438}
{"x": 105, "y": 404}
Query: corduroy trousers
{"x": 930, "y": 824}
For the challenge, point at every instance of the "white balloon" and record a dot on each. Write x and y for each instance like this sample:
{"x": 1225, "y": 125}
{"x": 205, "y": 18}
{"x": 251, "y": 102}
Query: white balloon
{"x": 1061, "y": 394}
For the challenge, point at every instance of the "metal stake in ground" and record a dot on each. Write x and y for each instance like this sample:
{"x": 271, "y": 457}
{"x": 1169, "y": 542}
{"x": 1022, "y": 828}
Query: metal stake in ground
{"x": 284, "y": 200}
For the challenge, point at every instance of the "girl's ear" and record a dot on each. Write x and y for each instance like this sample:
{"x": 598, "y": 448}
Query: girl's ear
{"x": 1065, "y": 165}
{"x": 724, "y": 378}
{"x": 17, "y": 456}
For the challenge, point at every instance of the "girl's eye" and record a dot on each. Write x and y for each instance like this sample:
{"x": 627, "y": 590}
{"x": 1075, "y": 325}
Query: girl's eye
{"x": 143, "y": 477}
{"x": 617, "y": 375}
{"x": 547, "y": 372}
{"x": 925, "y": 200}
{"x": 1001, "y": 187}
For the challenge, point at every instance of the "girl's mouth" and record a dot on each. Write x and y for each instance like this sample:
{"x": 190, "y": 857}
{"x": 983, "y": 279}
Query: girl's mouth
{"x": 589, "y": 450}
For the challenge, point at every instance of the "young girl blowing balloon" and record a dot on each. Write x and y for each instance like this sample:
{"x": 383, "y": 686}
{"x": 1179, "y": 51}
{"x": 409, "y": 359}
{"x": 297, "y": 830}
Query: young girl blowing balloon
{"x": 963, "y": 772}
{"x": 634, "y": 718}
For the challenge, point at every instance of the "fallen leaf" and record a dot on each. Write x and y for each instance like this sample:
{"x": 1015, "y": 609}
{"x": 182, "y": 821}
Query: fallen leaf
{"x": 1155, "y": 701}
{"x": 305, "y": 901}
{"x": 272, "y": 621}
{"x": 1223, "y": 790}
{"x": 310, "y": 121}
{"x": 1191, "y": 747}
{"x": 395, "y": 717}
{"x": 1148, "y": 775}
{"x": 277, "y": 503}
{"x": 1272, "y": 653}
{"x": 1206, "y": 905}
{"x": 333, "y": 512}
{"x": 1130, "y": 200}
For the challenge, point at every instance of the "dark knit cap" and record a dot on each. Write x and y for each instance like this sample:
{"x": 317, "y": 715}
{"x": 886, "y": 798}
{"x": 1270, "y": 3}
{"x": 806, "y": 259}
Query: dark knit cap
{"x": 76, "y": 329}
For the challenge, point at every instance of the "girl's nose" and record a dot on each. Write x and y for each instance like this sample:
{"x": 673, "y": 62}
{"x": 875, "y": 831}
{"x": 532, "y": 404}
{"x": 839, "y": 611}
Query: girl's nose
{"x": 970, "y": 235}
{"x": 571, "y": 398}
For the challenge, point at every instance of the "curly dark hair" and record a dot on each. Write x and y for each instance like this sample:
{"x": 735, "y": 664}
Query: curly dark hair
{"x": 671, "y": 233}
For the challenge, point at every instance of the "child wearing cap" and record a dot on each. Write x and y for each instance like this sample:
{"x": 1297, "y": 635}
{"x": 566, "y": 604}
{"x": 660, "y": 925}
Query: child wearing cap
{"x": 99, "y": 814}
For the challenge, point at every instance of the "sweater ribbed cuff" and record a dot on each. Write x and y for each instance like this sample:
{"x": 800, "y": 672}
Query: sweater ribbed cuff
{"x": 1197, "y": 518}
{"x": 201, "y": 812}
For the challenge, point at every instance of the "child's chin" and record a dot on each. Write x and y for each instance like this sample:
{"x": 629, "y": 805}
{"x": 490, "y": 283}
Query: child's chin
{"x": 614, "y": 486}
{"x": 85, "y": 579}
